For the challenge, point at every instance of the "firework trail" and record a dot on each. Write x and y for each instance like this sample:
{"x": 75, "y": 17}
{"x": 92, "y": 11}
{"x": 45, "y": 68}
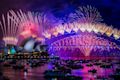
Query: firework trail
{"x": 88, "y": 14}
{"x": 10, "y": 28}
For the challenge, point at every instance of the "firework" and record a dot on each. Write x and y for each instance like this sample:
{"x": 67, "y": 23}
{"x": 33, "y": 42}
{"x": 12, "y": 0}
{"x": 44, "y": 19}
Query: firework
{"x": 33, "y": 23}
{"x": 89, "y": 27}
{"x": 88, "y": 14}
{"x": 85, "y": 19}
{"x": 28, "y": 22}
{"x": 10, "y": 28}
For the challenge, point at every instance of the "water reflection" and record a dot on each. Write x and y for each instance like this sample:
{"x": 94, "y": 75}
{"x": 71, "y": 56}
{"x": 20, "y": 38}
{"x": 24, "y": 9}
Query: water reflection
{"x": 37, "y": 73}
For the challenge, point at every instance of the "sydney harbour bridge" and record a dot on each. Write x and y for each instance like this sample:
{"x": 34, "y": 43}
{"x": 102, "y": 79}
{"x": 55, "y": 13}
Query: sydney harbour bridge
{"x": 81, "y": 33}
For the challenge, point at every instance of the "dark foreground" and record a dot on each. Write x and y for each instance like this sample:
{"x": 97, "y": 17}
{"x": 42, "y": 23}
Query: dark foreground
{"x": 56, "y": 69}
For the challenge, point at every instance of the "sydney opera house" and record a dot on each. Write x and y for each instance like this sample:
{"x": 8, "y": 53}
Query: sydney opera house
{"x": 77, "y": 46}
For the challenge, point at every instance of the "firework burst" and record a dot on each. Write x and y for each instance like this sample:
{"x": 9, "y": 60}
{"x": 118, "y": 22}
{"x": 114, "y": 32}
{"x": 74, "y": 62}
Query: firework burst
{"x": 88, "y": 14}
{"x": 28, "y": 22}
{"x": 10, "y": 28}
{"x": 89, "y": 27}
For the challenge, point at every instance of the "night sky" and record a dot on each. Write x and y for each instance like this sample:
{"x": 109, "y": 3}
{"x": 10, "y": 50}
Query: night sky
{"x": 109, "y": 9}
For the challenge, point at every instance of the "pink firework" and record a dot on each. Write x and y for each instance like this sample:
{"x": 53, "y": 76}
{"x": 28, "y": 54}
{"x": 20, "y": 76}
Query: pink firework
{"x": 29, "y": 24}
